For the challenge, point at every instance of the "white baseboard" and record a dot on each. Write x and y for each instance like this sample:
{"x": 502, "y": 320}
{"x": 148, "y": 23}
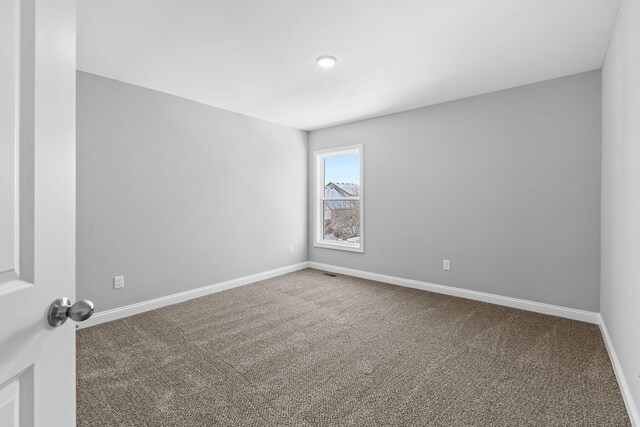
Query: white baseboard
{"x": 632, "y": 409}
{"x": 141, "y": 307}
{"x": 538, "y": 307}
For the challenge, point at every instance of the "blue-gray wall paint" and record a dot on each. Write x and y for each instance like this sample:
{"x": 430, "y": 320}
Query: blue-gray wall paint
{"x": 506, "y": 185}
{"x": 175, "y": 195}
{"x": 620, "y": 294}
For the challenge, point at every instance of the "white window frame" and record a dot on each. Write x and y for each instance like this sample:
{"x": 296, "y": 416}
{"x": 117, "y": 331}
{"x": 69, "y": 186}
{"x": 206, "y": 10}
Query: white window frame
{"x": 319, "y": 198}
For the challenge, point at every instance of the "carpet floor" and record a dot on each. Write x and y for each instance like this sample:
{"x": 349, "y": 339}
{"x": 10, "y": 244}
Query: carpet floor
{"x": 307, "y": 349}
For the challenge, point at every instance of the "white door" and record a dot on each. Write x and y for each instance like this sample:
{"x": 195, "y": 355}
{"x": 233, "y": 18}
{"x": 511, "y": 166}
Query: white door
{"x": 37, "y": 210}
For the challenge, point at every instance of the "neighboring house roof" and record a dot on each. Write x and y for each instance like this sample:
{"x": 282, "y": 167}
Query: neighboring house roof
{"x": 341, "y": 189}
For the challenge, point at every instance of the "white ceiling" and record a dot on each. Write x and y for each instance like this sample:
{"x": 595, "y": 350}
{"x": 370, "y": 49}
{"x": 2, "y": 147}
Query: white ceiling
{"x": 257, "y": 57}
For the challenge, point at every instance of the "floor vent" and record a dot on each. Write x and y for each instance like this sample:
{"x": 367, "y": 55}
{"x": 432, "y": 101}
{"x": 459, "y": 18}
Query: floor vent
{"x": 329, "y": 274}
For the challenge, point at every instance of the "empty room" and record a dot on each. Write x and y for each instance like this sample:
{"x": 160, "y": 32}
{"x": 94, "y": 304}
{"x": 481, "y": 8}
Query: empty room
{"x": 319, "y": 213}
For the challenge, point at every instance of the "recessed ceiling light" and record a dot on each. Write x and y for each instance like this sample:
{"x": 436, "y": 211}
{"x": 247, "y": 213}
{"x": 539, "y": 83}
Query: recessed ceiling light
{"x": 326, "y": 61}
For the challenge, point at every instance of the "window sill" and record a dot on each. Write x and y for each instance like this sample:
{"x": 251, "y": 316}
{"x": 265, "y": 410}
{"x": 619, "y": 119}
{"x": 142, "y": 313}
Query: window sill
{"x": 340, "y": 247}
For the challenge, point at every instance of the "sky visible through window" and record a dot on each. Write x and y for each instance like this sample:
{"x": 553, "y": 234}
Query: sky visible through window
{"x": 342, "y": 169}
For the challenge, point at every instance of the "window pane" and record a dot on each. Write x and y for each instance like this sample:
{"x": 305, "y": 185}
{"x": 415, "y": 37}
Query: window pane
{"x": 342, "y": 221}
{"x": 342, "y": 176}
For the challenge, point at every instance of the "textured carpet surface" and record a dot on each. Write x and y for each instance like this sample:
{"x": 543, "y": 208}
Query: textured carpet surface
{"x": 306, "y": 349}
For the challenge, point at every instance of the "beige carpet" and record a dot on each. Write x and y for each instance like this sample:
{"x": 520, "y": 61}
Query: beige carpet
{"x": 307, "y": 349}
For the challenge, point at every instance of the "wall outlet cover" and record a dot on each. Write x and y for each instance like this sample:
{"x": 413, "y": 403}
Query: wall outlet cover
{"x": 118, "y": 282}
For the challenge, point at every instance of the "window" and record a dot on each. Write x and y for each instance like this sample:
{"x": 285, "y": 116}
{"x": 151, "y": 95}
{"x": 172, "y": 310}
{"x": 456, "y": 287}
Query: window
{"x": 339, "y": 199}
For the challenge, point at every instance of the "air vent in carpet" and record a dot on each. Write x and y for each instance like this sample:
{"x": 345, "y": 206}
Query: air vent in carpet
{"x": 330, "y": 274}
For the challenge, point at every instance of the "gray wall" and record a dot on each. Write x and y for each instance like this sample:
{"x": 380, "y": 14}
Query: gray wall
{"x": 505, "y": 185}
{"x": 620, "y": 294}
{"x": 176, "y": 195}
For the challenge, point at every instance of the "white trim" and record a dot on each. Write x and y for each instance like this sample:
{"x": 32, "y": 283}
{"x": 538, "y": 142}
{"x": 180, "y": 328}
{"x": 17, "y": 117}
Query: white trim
{"x": 340, "y": 246}
{"x": 17, "y": 135}
{"x": 632, "y": 409}
{"x": 141, "y": 307}
{"x": 538, "y": 307}
{"x": 318, "y": 184}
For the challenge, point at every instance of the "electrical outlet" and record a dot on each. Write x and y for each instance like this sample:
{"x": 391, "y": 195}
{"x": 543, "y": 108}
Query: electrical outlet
{"x": 446, "y": 264}
{"x": 290, "y": 249}
{"x": 118, "y": 282}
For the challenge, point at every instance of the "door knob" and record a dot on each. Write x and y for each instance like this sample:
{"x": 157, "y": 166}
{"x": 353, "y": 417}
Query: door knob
{"x": 61, "y": 309}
